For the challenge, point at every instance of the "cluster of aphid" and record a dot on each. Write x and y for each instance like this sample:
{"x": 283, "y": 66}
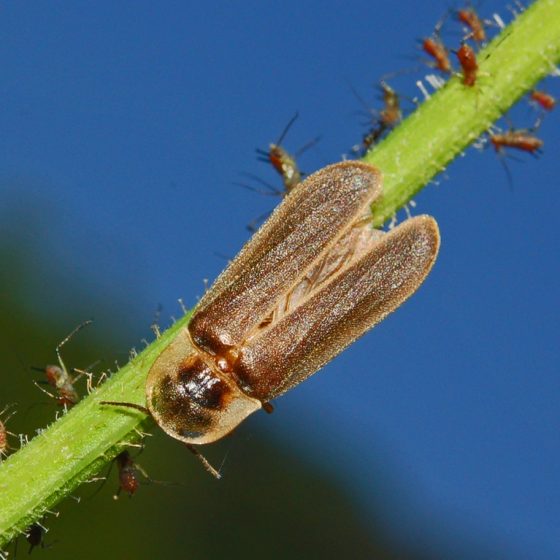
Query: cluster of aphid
{"x": 475, "y": 32}
{"x": 62, "y": 388}
{"x": 475, "y": 35}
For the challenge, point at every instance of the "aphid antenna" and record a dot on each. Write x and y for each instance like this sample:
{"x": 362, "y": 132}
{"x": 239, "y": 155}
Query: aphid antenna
{"x": 6, "y": 409}
{"x": 286, "y": 129}
{"x": 264, "y": 155}
{"x": 436, "y": 31}
{"x": 65, "y": 340}
{"x": 366, "y": 108}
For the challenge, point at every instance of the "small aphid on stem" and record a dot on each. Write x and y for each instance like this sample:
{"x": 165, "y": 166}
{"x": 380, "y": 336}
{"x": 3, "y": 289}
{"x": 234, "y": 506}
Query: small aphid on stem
{"x": 59, "y": 378}
{"x": 4, "y": 433}
{"x": 434, "y": 47}
{"x": 284, "y": 162}
{"x": 391, "y": 114}
{"x": 475, "y": 25}
{"x": 543, "y": 99}
{"x": 383, "y": 120}
{"x": 469, "y": 64}
{"x": 128, "y": 474}
{"x": 313, "y": 279}
{"x": 523, "y": 140}
{"x": 34, "y": 536}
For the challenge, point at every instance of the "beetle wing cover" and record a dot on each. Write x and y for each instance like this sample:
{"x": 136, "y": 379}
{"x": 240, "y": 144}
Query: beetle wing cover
{"x": 304, "y": 227}
{"x": 364, "y": 277}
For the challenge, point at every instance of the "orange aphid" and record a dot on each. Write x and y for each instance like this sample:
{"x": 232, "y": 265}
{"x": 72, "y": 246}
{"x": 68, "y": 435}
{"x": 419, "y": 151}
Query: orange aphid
{"x": 469, "y": 64}
{"x": 522, "y": 140}
{"x": 470, "y": 18}
{"x": 391, "y": 113}
{"x": 543, "y": 99}
{"x": 437, "y": 50}
{"x": 284, "y": 162}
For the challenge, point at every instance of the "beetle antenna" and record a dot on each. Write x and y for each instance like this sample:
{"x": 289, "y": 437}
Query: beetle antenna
{"x": 128, "y": 405}
{"x": 205, "y": 463}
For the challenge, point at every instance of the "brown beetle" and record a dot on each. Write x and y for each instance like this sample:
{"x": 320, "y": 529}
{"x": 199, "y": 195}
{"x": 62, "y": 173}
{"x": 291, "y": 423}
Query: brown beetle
{"x": 313, "y": 279}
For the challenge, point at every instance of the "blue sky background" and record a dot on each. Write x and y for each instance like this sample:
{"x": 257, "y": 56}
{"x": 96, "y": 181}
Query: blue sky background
{"x": 124, "y": 126}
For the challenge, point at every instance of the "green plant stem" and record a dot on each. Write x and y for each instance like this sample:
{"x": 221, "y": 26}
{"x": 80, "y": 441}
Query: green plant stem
{"x": 77, "y": 445}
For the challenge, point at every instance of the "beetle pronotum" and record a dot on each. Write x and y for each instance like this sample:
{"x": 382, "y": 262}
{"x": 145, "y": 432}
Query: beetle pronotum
{"x": 313, "y": 279}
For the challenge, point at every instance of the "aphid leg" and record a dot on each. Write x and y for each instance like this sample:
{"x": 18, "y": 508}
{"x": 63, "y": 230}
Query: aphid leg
{"x": 306, "y": 147}
{"x": 205, "y": 463}
{"x": 38, "y": 385}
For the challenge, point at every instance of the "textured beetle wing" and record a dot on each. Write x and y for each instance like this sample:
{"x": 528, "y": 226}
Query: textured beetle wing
{"x": 302, "y": 228}
{"x": 344, "y": 306}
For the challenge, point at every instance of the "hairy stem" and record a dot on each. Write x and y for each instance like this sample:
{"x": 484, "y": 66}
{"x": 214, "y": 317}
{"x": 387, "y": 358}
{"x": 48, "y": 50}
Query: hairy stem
{"x": 442, "y": 127}
{"x": 77, "y": 445}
